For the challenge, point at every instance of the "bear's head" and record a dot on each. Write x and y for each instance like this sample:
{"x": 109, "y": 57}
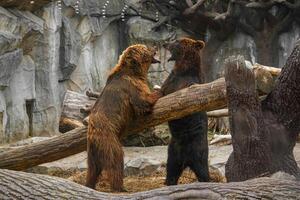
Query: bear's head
{"x": 135, "y": 60}
{"x": 186, "y": 53}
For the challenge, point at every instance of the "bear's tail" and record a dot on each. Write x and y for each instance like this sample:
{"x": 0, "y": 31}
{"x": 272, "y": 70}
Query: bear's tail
{"x": 104, "y": 153}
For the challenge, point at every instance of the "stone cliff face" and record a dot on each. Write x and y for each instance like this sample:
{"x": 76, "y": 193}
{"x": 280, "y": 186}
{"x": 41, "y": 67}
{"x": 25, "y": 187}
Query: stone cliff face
{"x": 42, "y": 55}
{"x": 45, "y": 52}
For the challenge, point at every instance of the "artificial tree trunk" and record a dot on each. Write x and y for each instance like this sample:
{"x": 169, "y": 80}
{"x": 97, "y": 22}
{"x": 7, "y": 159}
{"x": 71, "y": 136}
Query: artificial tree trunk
{"x": 20, "y": 185}
{"x": 263, "y": 134}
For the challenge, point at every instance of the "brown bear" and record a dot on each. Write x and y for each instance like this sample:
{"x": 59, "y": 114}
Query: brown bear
{"x": 188, "y": 146}
{"x": 125, "y": 97}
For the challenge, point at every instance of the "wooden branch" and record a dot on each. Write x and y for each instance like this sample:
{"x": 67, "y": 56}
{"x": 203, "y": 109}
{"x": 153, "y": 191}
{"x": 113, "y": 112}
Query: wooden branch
{"x": 261, "y": 5}
{"x": 20, "y": 185}
{"x": 228, "y": 13}
{"x": 218, "y": 113}
{"x": 189, "y": 3}
{"x": 193, "y": 9}
{"x": 221, "y": 139}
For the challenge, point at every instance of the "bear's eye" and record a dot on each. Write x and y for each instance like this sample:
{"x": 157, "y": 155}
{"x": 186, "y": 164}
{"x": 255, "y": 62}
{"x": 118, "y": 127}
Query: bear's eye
{"x": 146, "y": 56}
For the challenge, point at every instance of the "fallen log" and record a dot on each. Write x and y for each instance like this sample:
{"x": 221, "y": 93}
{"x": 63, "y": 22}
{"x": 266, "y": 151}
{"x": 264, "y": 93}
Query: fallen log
{"x": 21, "y": 185}
{"x": 46, "y": 151}
{"x": 72, "y": 104}
{"x": 76, "y": 106}
{"x": 210, "y": 96}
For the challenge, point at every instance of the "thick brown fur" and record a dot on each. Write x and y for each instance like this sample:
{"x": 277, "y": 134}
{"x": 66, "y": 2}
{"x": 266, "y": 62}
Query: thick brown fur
{"x": 188, "y": 146}
{"x": 125, "y": 97}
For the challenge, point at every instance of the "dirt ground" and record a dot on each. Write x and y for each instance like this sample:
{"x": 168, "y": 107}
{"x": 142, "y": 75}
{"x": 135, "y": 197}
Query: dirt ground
{"x": 139, "y": 183}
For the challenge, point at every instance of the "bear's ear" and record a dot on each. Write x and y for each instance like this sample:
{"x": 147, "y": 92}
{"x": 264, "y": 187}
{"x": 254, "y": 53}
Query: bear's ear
{"x": 200, "y": 44}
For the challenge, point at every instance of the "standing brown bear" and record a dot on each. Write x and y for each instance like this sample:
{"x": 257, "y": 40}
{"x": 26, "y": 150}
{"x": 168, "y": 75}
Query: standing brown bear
{"x": 125, "y": 97}
{"x": 188, "y": 146}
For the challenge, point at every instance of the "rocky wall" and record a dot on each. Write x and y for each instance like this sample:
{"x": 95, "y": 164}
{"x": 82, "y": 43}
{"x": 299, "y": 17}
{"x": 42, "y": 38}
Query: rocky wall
{"x": 42, "y": 55}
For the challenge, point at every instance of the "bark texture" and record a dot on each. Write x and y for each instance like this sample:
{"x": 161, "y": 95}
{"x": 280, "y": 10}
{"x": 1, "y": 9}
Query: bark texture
{"x": 263, "y": 134}
{"x": 249, "y": 135}
{"x": 20, "y": 185}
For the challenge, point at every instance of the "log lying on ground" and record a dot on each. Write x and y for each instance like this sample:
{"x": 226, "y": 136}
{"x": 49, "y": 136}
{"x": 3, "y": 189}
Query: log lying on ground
{"x": 46, "y": 151}
{"x": 20, "y": 185}
{"x": 196, "y": 98}
{"x": 72, "y": 104}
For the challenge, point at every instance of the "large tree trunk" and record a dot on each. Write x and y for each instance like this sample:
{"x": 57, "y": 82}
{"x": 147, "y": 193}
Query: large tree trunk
{"x": 250, "y": 147}
{"x": 20, "y": 185}
{"x": 263, "y": 135}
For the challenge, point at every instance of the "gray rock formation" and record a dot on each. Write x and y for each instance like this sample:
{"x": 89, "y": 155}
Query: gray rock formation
{"x": 41, "y": 56}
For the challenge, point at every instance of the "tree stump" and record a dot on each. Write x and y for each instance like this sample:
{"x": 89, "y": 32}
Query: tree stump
{"x": 263, "y": 134}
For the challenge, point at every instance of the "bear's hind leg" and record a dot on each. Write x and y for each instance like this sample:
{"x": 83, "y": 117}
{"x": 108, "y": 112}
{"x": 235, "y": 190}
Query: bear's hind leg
{"x": 116, "y": 177}
{"x": 175, "y": 165}
{"x": 199, "y": 162}
{"x": 201, "y": 171}
{"x": 94, "y": 167}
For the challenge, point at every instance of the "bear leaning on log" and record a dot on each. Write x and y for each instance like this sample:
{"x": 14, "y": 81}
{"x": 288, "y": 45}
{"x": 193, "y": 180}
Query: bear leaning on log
{"x": 125, "y": 97}
{"x": 189, "y": 145}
